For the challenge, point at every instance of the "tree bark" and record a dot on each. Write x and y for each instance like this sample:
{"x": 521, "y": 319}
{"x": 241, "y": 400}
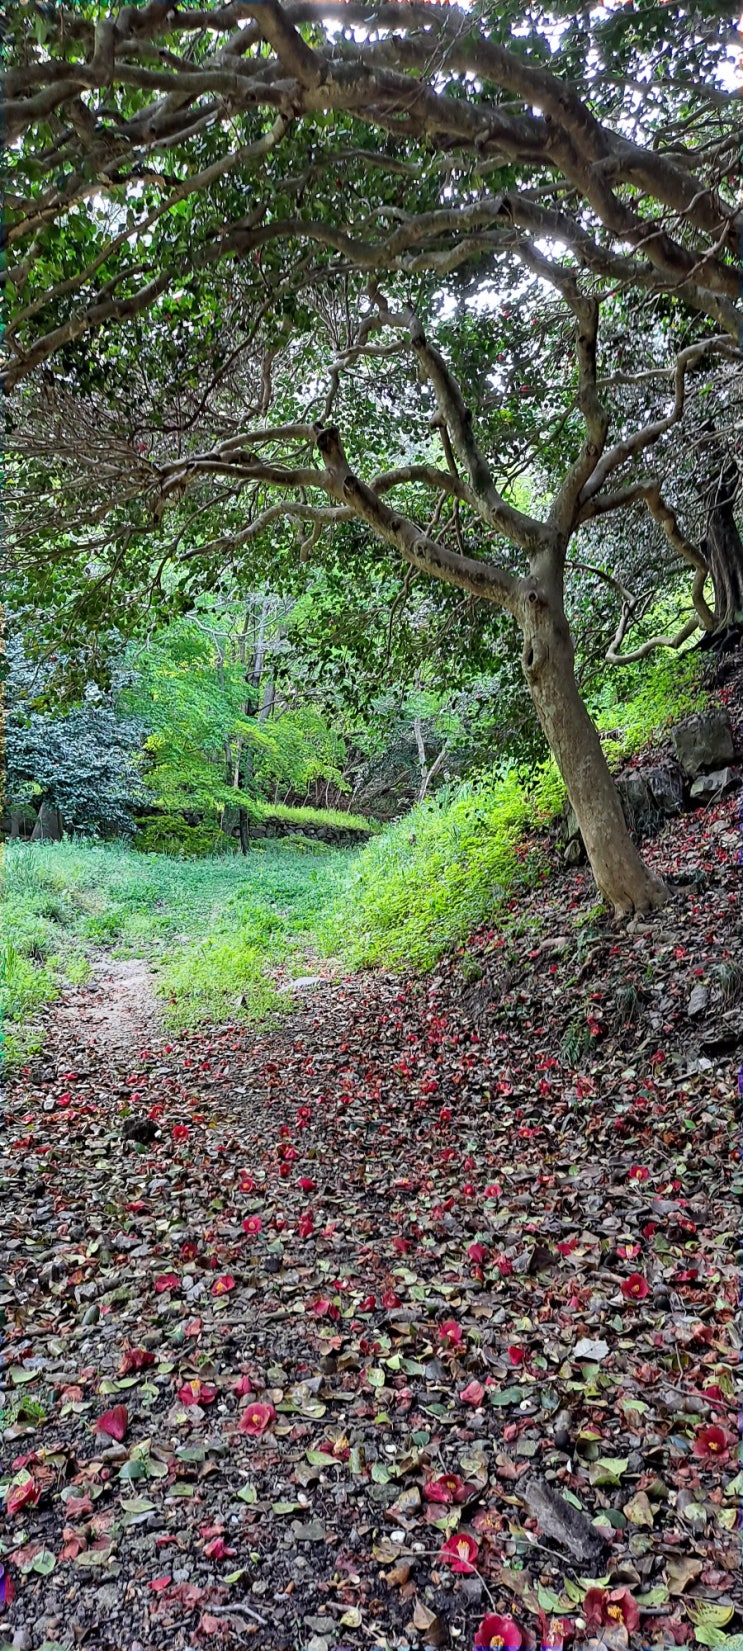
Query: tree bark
{"x": 723, "y": 549}
{"x": 48, "y": 827}
{"x": 548, "y": 661}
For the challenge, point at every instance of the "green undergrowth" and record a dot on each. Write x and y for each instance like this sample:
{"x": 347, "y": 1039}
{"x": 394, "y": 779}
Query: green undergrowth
{"x": 214, "y": 929}
{"x": 443, "y": 870}
{"x": 452, "y": 864}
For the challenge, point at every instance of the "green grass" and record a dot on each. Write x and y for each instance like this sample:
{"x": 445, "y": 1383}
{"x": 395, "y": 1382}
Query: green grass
{"x": 212, "y": 928}
{"x": 442, "y": 871}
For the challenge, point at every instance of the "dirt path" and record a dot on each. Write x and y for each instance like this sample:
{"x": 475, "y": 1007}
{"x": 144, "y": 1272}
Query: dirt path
{"x": 112, "y": 1016}
{"x": 346, "y": 1331}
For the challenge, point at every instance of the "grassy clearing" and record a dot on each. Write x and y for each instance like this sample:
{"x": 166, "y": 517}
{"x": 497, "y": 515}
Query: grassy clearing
{"x": 212, "y": 928}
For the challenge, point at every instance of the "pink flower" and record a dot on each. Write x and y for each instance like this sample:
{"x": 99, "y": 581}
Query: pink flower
{"x": 323, "y": 1308}
{"x": 497, "y": 1631}
{"x": 460, "y": 1552}
{"x": 247, "y": 1184}
{"x": 635, "y": 1288}
{"x": 451, "y": 1332}
{"x": 252, "y": 1225}
{"x": 477, "y": 1253}
{"x": 243, "y": 1386}
{"x": 223, "y": 1285}
{"x": 255, "y": 1419}
{"x": 217, "y": 1549}
{"x": 473, "y": 1393}
{"x": 710, "y": 1442}
{"x": 493, "y": 1190}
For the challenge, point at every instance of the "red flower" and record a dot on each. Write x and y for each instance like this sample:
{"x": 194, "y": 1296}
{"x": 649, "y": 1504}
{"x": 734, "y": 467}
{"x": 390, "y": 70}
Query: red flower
{"x": 114, "y": 1422}
{"x": 497, "y": 1631}
{"x": 517, "y": 1354}
{"x": 7, "y": 1589}
{"x": 255, "y": 1419}
{"x": 449, "y": 1488}
{"x": 635, "y": 1288}
{"x": 601, "y": 1608}
{"x": 638, "y": 1172}
{"x": 367, "y": 1305}
{"x": 19, "y": 1495}
{"x": 473, "y": 1393}
{"x": 180, "y": 1132}
{"x": 306, "y": 1183}
{"x": 217, "y": 1549}
{"x": 451, "y": 1332}
{"x": 445, "y": 1115}
{"x": 477, "y": 1253}
{"x": 197, "y": 1392}
{"x": 390, "y": 1298}
{"x": 306, "y": 1224}
{"x": 460, "y": 1552}
{"x": 247, "y": 1184}
{"x": 252, "y": 1225}
{"x": 504, "y": 1265}
{"x": 493, "y": 1190}
{"x": 135, "y": 1358}
{"x": 243, "y": 1386}
{"x": 223, "y": 1285}
{"x": 167, "y": 1281}
{"x": 710, "y": 1442}
{"x": 323, "y": 1308}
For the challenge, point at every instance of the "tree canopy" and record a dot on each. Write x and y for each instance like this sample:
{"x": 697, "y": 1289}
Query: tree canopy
{"x": 459, "y": 277}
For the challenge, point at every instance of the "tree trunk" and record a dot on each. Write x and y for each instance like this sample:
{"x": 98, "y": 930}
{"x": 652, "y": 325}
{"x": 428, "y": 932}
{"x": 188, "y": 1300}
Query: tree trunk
{"x": 723, "y": 549}
{"x": 244, "y": 826}
{"x": 548, "y": 663}
{"x": 48, "y": 827}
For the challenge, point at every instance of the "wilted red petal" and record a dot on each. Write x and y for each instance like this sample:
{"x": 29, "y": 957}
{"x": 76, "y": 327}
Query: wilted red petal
{"x": 473, "y": 1393}
{"x": 114, "y": 1422}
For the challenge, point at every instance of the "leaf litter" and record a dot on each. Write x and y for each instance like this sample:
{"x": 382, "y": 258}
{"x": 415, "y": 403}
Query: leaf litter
{"x": 402, "y": 1319}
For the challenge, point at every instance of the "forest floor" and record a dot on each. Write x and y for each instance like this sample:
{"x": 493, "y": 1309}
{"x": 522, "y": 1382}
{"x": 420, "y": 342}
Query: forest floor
{"x": 416, "y": 1306}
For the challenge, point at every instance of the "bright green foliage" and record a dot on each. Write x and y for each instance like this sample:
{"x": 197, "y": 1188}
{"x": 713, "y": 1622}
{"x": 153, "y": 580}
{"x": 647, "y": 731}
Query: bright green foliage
{"x": 438, "y": 873}
{"x": 641, "y": 701}
{"x": 237, "y": 920}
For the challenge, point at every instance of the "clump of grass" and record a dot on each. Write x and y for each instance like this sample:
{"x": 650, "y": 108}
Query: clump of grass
{"x": 576, "y": 1043}
{"x": 213, "y": 928}
{"x": 434, "y": 876}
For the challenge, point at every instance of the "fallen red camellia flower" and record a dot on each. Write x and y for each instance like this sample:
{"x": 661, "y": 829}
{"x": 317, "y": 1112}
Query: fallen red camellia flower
{"x": 135, "y": 1358}
{"x": 223, "y": 1285}
{"x": 19, "y": 1496}
{"x": 602, "y": 1607}
{"x": 473, "y": 1393}
{"x": 635, "y": 1288}
{"x": 218, "y": 1549}
{"x": 448, "y": 1488}
{"x": 452, "y": 1332}
{"x": 114, "y": 1422}
{"x": 197, "y": 1392}
{"x": 167, "y": 1281}
{"x": 255, "y": 1419}
{"x": 252, "y": 1225}
{"x": 710, "y": 1442}
{"x": 497, "y": 1631}
{"x": 460, "y": 1552}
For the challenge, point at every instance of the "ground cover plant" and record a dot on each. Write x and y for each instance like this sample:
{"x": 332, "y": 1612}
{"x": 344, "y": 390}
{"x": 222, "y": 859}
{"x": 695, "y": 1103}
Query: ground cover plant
{"x": 212, "y": 928}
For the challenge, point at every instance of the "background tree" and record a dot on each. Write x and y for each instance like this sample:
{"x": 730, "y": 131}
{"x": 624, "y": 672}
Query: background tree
{"x": 391, "y": 186}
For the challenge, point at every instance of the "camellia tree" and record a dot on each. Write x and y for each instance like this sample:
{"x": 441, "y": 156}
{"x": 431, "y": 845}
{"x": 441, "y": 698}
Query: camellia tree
{"x": 284, "y": 267}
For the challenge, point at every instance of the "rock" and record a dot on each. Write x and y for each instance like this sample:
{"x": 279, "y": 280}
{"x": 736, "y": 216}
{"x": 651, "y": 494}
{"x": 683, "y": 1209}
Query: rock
{"x": 710, "y": 786}
{"x": 703, "y": 742}
{"x": 575, "y": 853}
{"x": 562, "y": 1523}
{"x": 638, "y": 805}
{"x": 313, "y": 1531}
{"x": 666, "y": 787}
{"x": 697, "y": 1002}
{"x": 141, "y": 1130}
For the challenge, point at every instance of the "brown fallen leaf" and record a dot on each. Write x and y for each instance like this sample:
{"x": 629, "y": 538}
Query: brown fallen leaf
{"x": 680, "y": 1572}
{"x": 399, "y": 1574}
